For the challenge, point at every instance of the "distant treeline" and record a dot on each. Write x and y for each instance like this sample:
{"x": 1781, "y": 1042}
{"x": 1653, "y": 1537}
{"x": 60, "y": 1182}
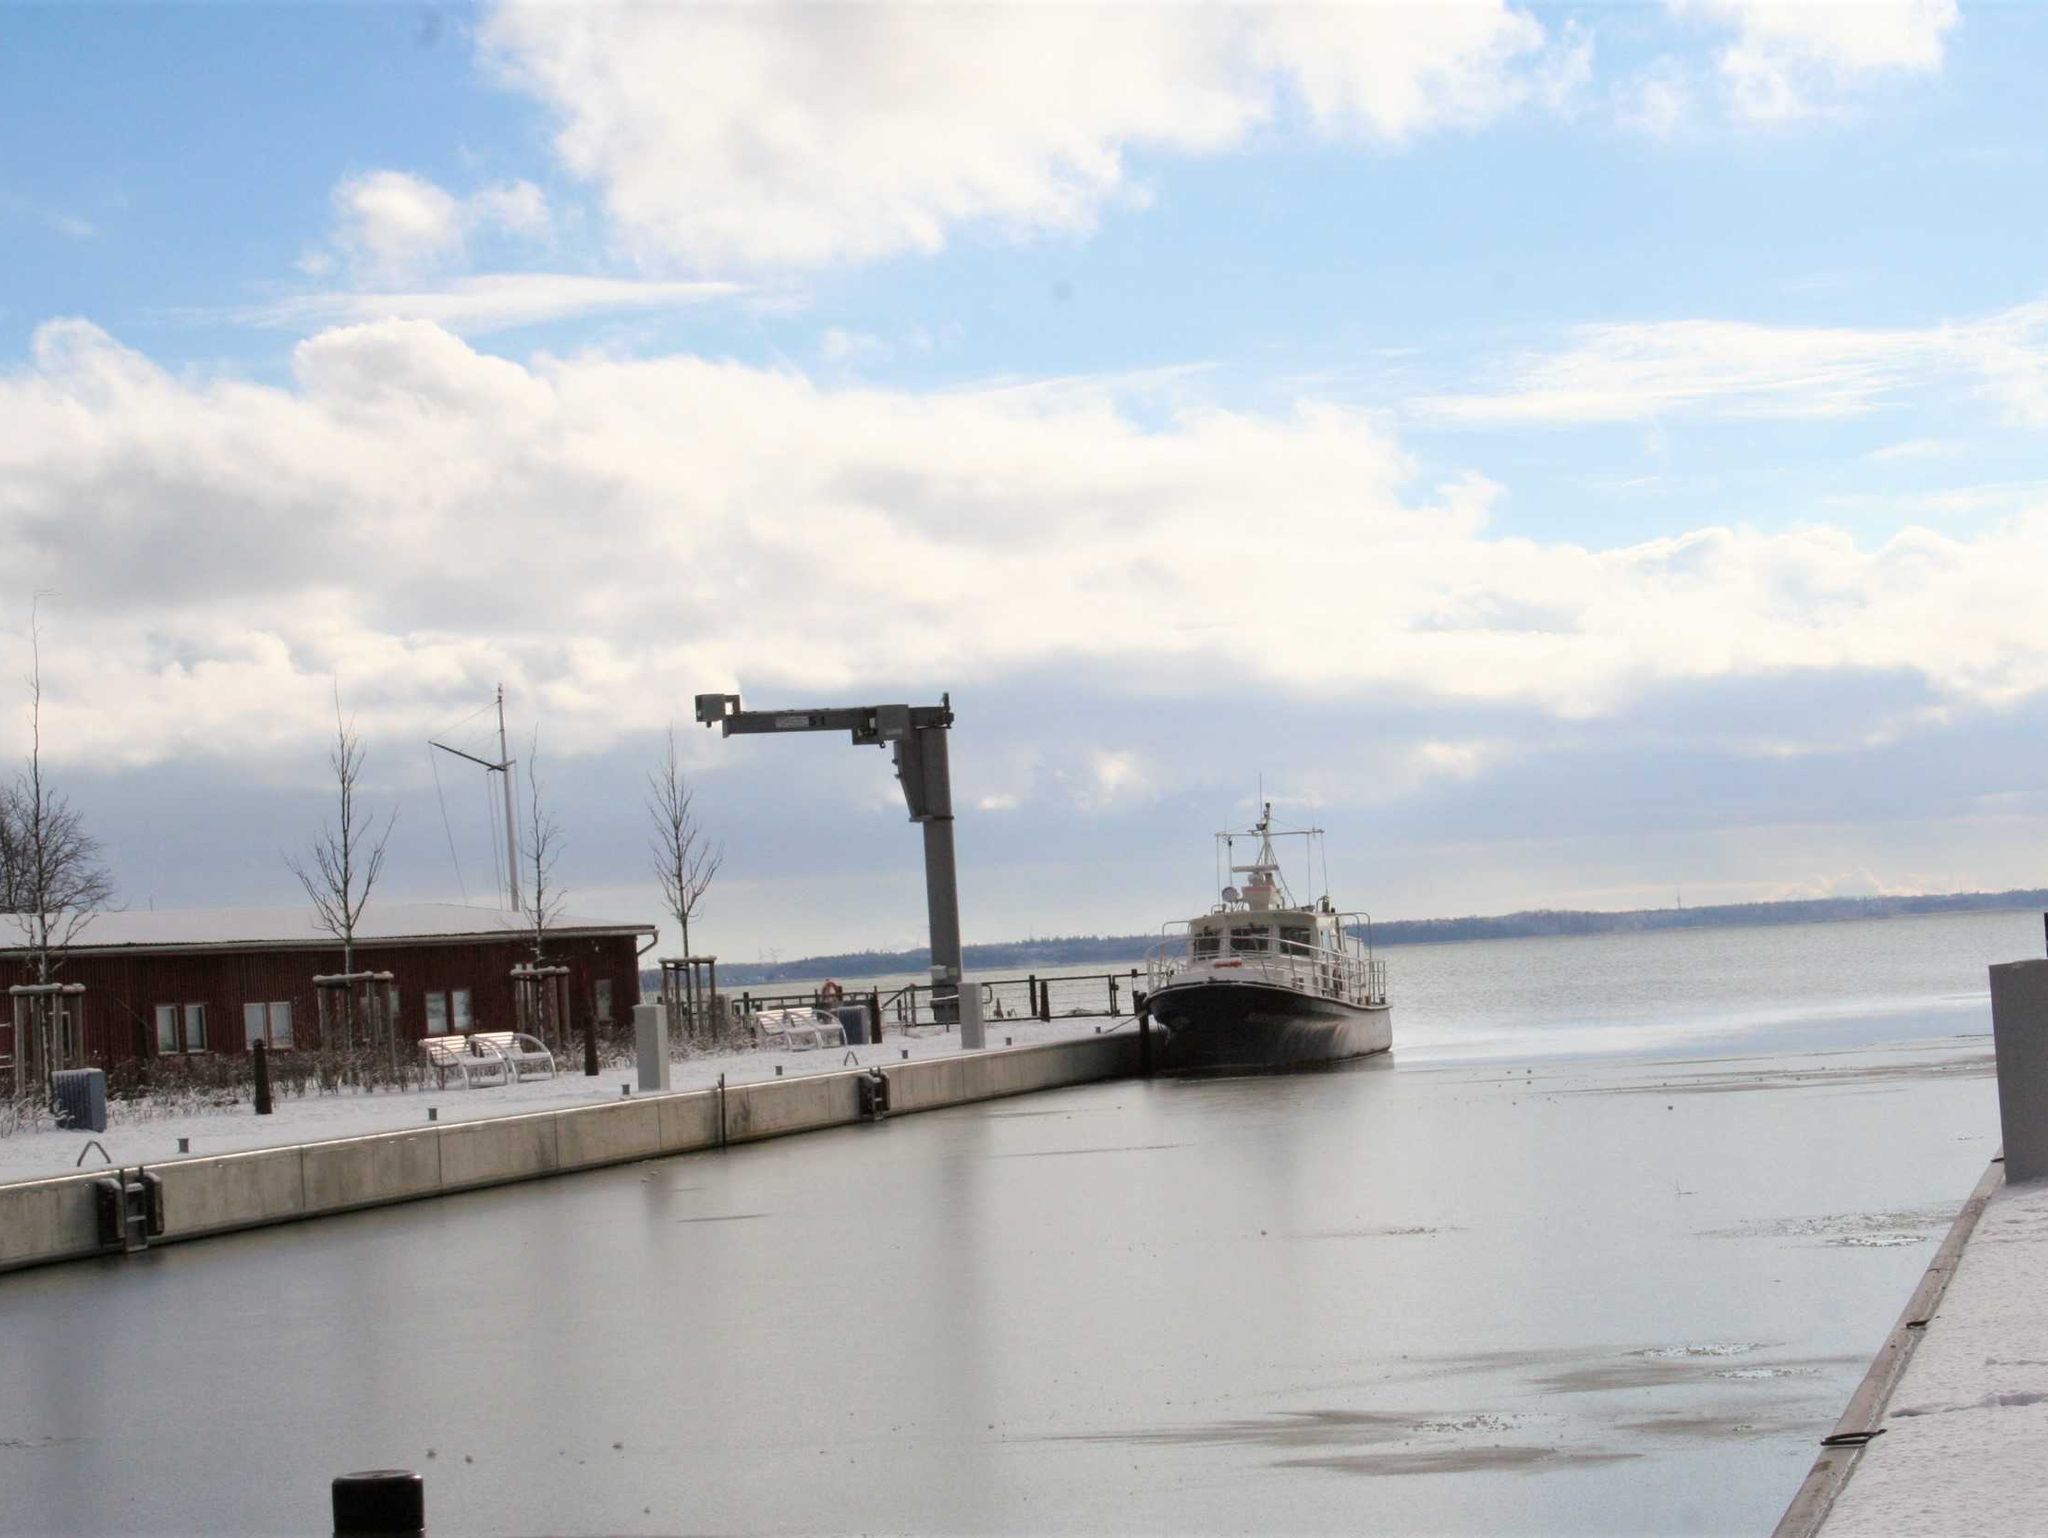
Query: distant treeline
{"x": 1114, "y": 950}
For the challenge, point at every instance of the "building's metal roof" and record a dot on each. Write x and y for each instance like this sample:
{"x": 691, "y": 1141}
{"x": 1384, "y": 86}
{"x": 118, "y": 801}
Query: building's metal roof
{"x": 269, "y": 928}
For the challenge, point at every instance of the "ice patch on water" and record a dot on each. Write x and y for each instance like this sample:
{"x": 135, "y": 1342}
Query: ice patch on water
{"x": 1758, "y": 1374}
{"x": 1717, "y": 1348}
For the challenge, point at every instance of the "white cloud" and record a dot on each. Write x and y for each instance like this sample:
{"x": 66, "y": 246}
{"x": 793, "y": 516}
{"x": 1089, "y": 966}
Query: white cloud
{"x": 393, "y": 225}
{"x": 489, "y": 302}
{"x": 1641, "y": 371}
{"x": 1789, "y": 58}
{"x": 1658, "y": 102}
{"x": 1913, "y": 448}
{"x": 58, "y": 219}
{"x": 848, "y": 348}
{"x": 1855, "y": 883}
{"x": 795, "y": 135}
{"x": 425, "y": 520}
{"x": 518, "y": 207}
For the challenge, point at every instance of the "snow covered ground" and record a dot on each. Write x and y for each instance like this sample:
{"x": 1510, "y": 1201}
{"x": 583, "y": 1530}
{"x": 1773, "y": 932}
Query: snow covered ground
{"x": 141, "y": 1135}
{"x": 1966, "y": 1432}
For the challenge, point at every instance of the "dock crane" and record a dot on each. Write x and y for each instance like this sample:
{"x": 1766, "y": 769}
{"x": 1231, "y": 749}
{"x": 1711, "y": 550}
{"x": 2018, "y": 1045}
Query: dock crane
{"x": 917, "y": 736}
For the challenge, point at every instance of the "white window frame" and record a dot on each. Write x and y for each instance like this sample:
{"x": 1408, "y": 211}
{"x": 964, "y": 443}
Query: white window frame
{"x": 269, "y": 1023}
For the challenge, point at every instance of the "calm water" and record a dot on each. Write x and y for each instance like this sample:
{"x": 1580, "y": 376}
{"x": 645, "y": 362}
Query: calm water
{"x": 1602, "y": 1249}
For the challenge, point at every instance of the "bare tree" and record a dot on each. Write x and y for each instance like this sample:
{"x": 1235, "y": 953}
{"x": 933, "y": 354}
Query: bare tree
{"x": 55, "y": 881}
{"x": 546, "y": 1003}
{"x": 685, "y": 862}
{"x": 13, "y": 850}
{"x": 348, "y": 856}
{"x": 537, "y": 859}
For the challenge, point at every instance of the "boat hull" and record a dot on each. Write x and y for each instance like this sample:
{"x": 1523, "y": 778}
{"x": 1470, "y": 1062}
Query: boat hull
{"x": 1250, "y": 1027}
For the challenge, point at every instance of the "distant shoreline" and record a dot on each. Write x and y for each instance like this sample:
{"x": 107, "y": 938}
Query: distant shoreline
{"x": 1535, "y": 923}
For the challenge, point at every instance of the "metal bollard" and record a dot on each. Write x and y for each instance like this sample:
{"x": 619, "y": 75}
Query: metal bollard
{"x": 377, "y": 1503}
{"x": 261, "y": 1052}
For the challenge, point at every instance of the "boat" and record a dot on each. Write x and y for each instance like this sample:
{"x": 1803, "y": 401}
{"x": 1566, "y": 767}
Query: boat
{"x": 1262, "y": 981}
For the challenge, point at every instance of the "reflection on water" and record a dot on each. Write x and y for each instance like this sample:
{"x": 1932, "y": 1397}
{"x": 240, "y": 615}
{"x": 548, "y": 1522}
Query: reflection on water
{"x": 1555, "y": 1295}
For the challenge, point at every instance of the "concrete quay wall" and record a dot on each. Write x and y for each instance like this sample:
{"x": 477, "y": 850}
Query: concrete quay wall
{"x": 43, "y": 1221}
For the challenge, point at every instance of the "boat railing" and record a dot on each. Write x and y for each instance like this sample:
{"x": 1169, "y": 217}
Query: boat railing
{"x": 1346, "y": 975}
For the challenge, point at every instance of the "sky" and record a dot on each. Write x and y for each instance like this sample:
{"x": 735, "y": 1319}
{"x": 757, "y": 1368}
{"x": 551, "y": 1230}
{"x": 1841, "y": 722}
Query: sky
{"x": 1581, "y": 456}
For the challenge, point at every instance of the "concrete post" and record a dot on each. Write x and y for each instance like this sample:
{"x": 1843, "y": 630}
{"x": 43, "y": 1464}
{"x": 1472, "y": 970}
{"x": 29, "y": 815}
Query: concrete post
{"x": 650, "y": 1043}
{"x": 972, "y": 1036}
{"x": 2019, "y": 1034}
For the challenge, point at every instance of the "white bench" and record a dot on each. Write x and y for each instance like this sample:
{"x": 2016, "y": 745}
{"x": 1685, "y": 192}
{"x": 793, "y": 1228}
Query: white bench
{"x": 472, "y": 1066}
{"x": 525, "y": 1055}
{"x": 797, "y": 1030}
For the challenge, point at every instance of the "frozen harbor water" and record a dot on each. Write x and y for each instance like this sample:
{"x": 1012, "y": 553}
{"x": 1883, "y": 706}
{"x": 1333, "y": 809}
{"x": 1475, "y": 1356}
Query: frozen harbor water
{"x": 1461, "y": 1299}
{"x": 1553, "y": 1289}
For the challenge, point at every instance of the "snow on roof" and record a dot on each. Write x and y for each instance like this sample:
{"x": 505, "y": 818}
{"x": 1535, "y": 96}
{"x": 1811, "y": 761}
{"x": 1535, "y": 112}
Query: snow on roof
{"x": 150, "y": 928}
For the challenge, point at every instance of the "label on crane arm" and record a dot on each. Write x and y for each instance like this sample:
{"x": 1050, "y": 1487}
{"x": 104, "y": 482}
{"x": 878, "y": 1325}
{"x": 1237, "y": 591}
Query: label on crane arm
{"x": 792, "y": 723}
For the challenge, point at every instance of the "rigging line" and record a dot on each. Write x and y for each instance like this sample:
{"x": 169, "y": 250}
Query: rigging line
{"x": 449, "y": 731}
{"x": 447, "y": 827}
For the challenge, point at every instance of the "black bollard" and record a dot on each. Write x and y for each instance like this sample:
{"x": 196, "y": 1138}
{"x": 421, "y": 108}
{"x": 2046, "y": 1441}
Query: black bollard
{"x": 379, "y": 1502}
{"x": 261, "y": 1052}
{"x": 590, "y": 1046}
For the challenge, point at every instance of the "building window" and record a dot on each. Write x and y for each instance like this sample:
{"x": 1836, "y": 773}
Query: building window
{"x": 269, "y": 1023}
{"x": 604, "y": 1001}
{"x": 180, "y": 1028}
{"x": 460, "y": 999}
{"x": 437, "y": 1014}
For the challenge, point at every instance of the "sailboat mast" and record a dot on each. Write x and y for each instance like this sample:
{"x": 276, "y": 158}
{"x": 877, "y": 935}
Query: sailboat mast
{"x": 511, "y": 823}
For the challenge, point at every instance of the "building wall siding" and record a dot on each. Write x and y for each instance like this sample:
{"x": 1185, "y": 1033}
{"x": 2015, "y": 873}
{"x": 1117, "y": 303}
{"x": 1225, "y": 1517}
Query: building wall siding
{"x": 123, "y": 989}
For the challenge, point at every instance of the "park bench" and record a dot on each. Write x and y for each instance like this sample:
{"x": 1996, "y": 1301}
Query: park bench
{"x": 525, "y": 1055}
{"x": 473, "y": 1065}
{"x": 797, "y": 1030}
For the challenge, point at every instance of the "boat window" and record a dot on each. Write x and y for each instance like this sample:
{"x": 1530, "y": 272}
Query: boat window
{"x": 1247, "y": 937}
{"x": 1305, "y": 938}
{"x": 1207, "y": 945}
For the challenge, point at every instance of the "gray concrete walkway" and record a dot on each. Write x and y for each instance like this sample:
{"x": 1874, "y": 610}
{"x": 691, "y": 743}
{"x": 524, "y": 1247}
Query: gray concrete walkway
{"x": 1964, "y": 1443}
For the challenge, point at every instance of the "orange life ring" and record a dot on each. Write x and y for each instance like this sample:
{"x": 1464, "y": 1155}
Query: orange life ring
{"x": 831, "y": 993}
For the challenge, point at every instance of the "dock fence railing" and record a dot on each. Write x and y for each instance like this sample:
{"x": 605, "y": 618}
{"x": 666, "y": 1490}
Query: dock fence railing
{"x": 910, "y": 1007}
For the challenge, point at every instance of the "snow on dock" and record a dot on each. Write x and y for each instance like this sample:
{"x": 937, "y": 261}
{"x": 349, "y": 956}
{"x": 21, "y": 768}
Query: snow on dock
{"x": 139, "y": 1134}
{"x": 1965, "y": 1432}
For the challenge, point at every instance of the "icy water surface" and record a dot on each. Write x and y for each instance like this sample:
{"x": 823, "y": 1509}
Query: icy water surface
{"x": 1582, "y": 1291}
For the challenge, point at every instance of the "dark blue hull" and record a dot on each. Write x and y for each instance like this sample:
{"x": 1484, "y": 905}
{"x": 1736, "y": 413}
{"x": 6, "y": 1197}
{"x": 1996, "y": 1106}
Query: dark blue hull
{"x": 1256, "y": 1027}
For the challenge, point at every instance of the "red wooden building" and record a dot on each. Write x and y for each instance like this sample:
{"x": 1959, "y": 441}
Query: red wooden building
{"x": 164, "y": 983}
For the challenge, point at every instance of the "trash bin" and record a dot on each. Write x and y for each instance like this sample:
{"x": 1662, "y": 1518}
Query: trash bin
{"x": 78, "y": 1099}
{"x": 853, "y": 1019}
